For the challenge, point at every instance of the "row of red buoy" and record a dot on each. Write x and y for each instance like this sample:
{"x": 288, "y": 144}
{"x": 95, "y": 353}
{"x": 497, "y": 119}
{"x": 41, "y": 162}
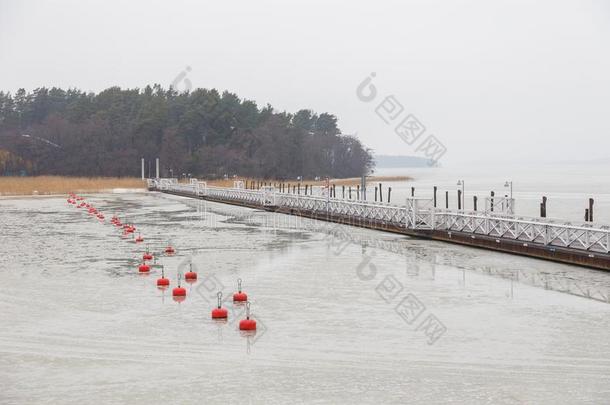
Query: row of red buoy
{"x": 179, "y": 292}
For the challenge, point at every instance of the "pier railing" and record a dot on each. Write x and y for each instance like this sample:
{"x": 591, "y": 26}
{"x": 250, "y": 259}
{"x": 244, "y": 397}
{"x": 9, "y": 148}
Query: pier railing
{"x": 416, "y": 214}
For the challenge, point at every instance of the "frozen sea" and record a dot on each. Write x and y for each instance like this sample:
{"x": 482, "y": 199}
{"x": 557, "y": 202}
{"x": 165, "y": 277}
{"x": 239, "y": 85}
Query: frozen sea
{"x": 344, "y": 315}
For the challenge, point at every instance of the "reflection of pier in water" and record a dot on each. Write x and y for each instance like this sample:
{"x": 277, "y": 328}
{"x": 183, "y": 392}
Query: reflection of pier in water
{"x": 419, "y": 261}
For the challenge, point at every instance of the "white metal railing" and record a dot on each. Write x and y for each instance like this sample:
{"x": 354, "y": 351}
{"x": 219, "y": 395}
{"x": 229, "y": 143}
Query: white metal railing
{"x": 583, "y": 237}
{"x": 417, "y": 214}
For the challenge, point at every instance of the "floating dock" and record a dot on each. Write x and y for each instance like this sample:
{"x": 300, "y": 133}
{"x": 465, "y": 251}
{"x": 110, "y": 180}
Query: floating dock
{"x": 500, "y": 230}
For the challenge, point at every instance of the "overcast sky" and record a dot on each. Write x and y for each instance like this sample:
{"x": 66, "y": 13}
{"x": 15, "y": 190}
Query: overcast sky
{"x": 499, "y": 80}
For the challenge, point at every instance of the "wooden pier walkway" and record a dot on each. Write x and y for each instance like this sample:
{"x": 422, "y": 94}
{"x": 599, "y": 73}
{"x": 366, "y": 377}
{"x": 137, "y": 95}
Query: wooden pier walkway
{"x": 583, "y": 245}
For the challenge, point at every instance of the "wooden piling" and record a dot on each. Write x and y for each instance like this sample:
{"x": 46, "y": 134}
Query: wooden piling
{"x": 380, "y": 193}
{"x": 591, "y": 209}
{"x": 459, "y": 195}
{"x": 447, "y": 199}
{"x": 543, "y": 207}
{"x": 434, "y": 194}
{"x": 375, "y": 193}
{"x": 389, "y": 193}
{"x": 412, "y": 191}
{"x": 474, "y": 202}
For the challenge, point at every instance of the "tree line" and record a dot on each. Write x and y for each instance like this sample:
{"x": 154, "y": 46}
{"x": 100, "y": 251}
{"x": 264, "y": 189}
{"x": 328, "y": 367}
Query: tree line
{"x": 202, "y": 132}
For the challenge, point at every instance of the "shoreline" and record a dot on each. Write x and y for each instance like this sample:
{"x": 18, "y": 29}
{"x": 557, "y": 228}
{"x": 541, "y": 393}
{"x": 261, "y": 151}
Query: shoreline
{"x": 350, "y": 181}
{"x": 45, "y": 186}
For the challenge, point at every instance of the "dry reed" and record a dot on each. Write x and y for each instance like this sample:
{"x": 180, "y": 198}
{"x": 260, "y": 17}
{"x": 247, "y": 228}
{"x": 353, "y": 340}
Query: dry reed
{"x": 339, "y": 182}
{"x": 45, "y": 185}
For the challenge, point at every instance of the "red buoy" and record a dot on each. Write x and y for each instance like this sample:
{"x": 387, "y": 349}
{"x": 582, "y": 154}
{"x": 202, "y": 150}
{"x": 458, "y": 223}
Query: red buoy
{"x": 170, "y": 250}
{"x": 239, "y": 296}
{"x": 163, "y": 282}
{"x": 247, "y": 324}
{"x": 190, "y": 276}
{"x": 144, "y": 268}
{"x": 139, "y": 238}
{"x": 147, "y": 256}
{"x": 220, "y": 312}
{"x": 179, "y": 293}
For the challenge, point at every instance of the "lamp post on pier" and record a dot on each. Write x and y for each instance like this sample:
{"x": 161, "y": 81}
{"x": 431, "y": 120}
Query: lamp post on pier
{"x": 509, "y": 184}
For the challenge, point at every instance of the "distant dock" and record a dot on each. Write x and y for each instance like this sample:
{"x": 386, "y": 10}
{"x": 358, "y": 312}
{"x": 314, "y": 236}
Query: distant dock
{"x": 500, "y": 230}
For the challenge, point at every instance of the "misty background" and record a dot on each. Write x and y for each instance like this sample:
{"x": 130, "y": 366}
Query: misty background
{"x": 493, "y": 81}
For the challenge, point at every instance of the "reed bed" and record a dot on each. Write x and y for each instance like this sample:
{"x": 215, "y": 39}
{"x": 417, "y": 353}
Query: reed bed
{"x": 46, "y": 185}
{"x": 339, "y": 182}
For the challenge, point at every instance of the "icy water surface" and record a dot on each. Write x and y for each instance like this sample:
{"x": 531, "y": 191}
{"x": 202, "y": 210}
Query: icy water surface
{"x": 345, "y": 315}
